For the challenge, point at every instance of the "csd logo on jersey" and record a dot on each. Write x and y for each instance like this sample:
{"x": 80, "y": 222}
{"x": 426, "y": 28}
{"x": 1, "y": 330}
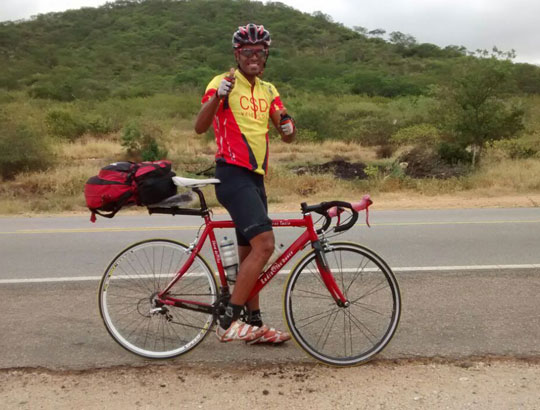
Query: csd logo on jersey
{"x": 251, "y": 104}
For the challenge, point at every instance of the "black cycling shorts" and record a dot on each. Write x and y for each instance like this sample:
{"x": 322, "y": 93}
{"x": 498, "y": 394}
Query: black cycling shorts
{"x": 242, "y": 193}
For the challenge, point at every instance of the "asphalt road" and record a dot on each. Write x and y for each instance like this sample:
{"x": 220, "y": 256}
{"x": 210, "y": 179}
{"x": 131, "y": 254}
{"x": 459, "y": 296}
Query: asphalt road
{"x": 470, "y": 281}
{"x": 59, "y": 247}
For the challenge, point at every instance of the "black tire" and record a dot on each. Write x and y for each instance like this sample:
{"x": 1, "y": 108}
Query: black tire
{"x": 127, "y": 290}
{"x": 343, "y": 336}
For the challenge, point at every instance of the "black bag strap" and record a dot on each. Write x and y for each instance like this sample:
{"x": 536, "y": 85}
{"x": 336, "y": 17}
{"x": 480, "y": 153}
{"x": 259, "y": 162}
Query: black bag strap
{"x": 121, "y": 202}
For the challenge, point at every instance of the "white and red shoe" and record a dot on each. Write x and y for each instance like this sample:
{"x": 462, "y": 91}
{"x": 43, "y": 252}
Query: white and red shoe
{"x": 240, "y": 331}
{"x": 271, "y": 336}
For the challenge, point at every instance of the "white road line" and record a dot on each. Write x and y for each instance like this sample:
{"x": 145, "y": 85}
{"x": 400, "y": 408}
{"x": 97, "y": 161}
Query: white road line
{"x": 286, "y": 272}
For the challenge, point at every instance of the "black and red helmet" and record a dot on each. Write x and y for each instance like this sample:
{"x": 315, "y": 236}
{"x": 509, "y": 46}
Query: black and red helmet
{"x": 251, "y": 34}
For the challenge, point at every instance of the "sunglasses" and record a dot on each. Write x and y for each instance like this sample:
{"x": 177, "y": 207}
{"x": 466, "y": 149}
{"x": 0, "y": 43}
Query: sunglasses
{"x": 248, "y": 53}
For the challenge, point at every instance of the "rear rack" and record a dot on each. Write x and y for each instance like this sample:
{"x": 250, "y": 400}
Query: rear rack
{"x": 174, "y": 205}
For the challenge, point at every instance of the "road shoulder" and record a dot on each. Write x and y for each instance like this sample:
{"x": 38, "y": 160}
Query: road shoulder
{"x": 491, "y": 383}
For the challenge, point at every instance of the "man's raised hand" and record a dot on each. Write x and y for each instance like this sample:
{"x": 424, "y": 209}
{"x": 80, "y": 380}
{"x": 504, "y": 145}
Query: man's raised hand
{"x": 286, "y": 123}
{"x": 226, "y": 85}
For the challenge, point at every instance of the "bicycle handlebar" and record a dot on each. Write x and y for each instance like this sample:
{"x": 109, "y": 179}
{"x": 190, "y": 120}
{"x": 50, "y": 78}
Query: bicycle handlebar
{"x": 335, "y": 208}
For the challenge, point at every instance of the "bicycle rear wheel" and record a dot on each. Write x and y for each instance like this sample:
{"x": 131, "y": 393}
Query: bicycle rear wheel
{"x": 127, "y": 295}
{"x": 343, "y": 336}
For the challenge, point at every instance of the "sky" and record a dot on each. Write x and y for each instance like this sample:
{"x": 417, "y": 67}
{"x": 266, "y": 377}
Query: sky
{"x": 475, "y": 24}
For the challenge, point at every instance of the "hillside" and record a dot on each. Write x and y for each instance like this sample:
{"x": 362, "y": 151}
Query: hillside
{"x": 86, "y": 87}
{"x": 134, "y": 48}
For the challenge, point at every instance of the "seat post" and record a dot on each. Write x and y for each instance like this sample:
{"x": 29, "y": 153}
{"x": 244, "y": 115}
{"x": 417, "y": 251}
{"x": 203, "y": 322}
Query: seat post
{"x": 202, "y": 200}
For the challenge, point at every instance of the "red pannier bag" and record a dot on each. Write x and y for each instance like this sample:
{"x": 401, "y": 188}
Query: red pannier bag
{"x": 154, "y": 182}
{"x": 110, "y": 190}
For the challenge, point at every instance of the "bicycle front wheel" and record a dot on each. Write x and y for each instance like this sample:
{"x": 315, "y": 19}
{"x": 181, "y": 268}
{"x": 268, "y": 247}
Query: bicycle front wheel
{"x": 127, "y": 299}
{"x": 343, "y": 336}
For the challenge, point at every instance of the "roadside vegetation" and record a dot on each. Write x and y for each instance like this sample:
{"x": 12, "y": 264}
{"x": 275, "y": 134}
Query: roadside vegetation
{"x": 376, "y": 113}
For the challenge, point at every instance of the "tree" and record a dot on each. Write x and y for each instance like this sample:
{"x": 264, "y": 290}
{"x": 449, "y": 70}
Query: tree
{"x": 477, "y": 110}
{"x": 360, "y": 30}
{"x": 403, "y": 43}
{"x": 400, "y": 39}
{"x": 378, "y": 32}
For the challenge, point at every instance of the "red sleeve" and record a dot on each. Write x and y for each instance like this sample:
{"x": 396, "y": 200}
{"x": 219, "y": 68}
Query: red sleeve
{"x": 209, "y": 95}
{"x": 276, "y": 105}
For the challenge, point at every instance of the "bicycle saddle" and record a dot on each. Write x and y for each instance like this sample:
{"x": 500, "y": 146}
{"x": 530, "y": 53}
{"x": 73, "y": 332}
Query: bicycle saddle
{"x": 194, "y": 183}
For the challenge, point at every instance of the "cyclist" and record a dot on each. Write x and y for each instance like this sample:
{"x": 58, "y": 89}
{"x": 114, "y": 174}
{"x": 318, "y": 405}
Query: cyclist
{"x": 240, "y": 104}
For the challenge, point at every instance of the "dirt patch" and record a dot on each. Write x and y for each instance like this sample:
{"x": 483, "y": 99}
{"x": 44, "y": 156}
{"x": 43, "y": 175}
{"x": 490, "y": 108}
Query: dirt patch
{"x": 377, "y": 385}
{"x": 340, "y": 168}
{"x": 417, "y": 163}
{"x": 422, "y": 163}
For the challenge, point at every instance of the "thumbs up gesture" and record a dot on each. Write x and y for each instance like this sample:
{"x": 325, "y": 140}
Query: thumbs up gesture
{"x": 286, "y": 123}
{"x": 226, "y": 85}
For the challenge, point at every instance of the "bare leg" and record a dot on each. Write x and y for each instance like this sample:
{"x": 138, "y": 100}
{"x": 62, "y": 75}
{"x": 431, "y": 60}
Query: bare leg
{"x": 243, "y": 252}
{"x": 253, "y": 258}
{"x": 251, "y": 264}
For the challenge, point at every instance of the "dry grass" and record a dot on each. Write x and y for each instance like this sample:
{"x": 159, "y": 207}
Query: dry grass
{"x": 56, "y": 190}
{"x": 506, "y": 176}
{"x": 499, "y": 181}
{"x": 304, "y": 152}
{"x": 91, "y": 148}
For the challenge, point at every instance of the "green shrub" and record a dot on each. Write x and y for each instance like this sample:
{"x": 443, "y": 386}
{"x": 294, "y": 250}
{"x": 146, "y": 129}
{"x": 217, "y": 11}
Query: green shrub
{"x": 318, "y": 121}
{"x": 131, "y": 92}
{"x": 197, "y": 76}
{"x": 519, "y": 148}
{"x": 453, "y": 153}
{"x": 22, "y": 150}
{"x": 372, "y": 130}
{"x": 99, "y": 125}
{"x": 152, "y": 151}
{"x": 141, "y": 142}
{"x": 72, "y": 124}
{"x": 376, "y": 83}
{"x": 61, "y": 123}
{"x": 418, "y": 134}
{"x": 52, "y": 91}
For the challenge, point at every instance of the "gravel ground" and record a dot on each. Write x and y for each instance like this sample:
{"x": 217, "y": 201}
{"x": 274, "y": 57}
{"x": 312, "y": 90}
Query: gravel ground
{"x": 422, "y": 384}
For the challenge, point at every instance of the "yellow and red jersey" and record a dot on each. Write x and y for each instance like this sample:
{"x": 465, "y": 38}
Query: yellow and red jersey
{"x": 241, "y": 122}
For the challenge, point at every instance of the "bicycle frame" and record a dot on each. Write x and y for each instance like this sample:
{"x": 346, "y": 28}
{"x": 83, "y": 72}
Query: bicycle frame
{"x": 309, "y": 235}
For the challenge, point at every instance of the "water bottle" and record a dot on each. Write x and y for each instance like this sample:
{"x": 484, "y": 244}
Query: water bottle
{"x": 228, "y": 258}
{"x": 278, "y": 250}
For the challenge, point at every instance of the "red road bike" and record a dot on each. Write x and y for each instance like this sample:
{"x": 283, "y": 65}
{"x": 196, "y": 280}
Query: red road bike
{"x": 159, "y": 298}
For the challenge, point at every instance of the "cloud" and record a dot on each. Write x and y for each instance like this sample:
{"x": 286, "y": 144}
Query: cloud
{"x": 24, "y": 9}
{"x": 508, "y": 24}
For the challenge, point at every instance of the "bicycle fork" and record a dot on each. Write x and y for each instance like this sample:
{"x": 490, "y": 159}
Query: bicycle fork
{"x": 327, "y": 276}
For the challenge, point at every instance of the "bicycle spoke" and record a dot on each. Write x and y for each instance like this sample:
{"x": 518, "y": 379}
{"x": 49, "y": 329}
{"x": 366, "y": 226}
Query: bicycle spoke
{"x": 147, "y": 333}
{"x": 143, "y": 269}
{"x": 316, "y": 274}
{"x": 373, "y": 290}
{"x": 176, "y": 334}
{"x": 177, "y": 311}
{"x": 363, "y": 329}
{"x": 128, "y": 309}
{"x": 365, "y": 307}
{"x": 329, "y": 330}
{"x": 137, "y": 324}
{"x": 169, "y": 269}
{"x": 195, "y": 282}
{"x": 320, "y": 295}
{"x": 359, "y": 271}
{"x": 137, "y": 278}
{"x": 322, "y": 316}
{"x": 350, "y": 330}
{"x": 344, "y": 335}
